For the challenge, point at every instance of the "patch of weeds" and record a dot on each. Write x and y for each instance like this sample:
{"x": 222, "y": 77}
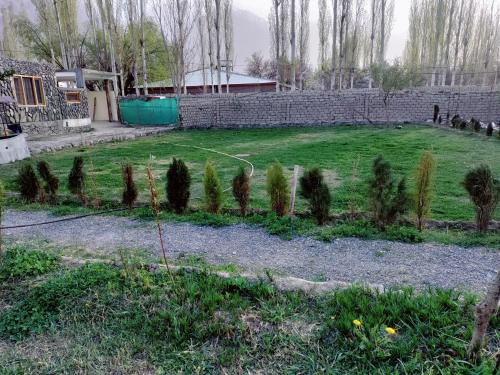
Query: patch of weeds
{"x": 284, "y": 227}
{"x": 366, "y": 230}
{"x": 402, "y": 234}
{"x": 43, "y": 303}
{"x": 202, "y": 323}
{"x": 198, "y": 261}
{"x": 464, "y": 238}
{"x": 19, "y": 262}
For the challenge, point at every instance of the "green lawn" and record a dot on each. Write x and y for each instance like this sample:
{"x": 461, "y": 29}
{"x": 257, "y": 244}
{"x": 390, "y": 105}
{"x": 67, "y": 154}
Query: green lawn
{"x": 335, "y": 150}
{"x": 103, "y": 319}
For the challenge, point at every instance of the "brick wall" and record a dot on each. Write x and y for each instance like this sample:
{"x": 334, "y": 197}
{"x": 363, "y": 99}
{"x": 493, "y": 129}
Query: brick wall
{"x": 325, "y": 108}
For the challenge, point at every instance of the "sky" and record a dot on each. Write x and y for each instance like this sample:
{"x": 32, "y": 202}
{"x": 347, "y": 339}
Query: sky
{"x": 399, "y": 30}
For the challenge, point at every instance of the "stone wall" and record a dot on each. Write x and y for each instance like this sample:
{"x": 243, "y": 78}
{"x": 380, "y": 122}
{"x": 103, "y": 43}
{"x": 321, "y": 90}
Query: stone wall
{"x": 47, "y": 119}
{"x": 326, "y": 108}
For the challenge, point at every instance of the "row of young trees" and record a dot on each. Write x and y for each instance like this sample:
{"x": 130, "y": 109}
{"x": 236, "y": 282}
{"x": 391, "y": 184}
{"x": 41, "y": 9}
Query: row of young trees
{"x": 454, "y": 41}
{"x": 388, "y": 197}
{"x": 349, "y": 39}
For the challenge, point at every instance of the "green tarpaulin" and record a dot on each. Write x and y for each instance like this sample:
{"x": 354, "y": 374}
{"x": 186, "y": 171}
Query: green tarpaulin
{"x": 151, "y": 111}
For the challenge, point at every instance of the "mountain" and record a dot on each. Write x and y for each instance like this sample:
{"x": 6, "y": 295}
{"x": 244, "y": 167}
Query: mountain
{"x": 251, "y": 34}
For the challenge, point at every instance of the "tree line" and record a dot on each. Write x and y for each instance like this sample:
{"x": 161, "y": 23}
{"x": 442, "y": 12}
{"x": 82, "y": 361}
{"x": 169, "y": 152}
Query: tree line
{"x": 450, "y": 42}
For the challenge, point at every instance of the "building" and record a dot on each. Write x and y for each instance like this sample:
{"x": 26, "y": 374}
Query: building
{"x": 99, "y": 87}
{"x": 200, "y": 82}
{"x": 39, "y": 105}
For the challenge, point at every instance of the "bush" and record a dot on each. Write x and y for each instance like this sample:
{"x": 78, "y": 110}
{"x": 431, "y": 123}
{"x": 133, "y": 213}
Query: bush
{"x": 19, "y": 263}
{"x": 241, "y": 190}
{"x": 423, "y": 185}
{"x": 456, "y": 121}
{"x": 476, "y": 125}
{"x": 43, "y": 303}
{"x": 484, "y": 191}
{"x": 76, "y": 179}
{"x": 28, "y": 183}
{"x": 277, "y": 189}
{"x": 129, "y": 195}
{"x": 489, "y": 129}
{"x": 315, "y": 190}
{"x": 213, "y": 189}
{"x": 51, "y": 181}
{"x": 387, "y": 202}
{"x": 178, "y": 183}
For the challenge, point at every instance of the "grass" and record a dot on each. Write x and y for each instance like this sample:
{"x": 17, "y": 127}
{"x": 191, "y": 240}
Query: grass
{"x": 335, "y": 150}
{"x": 99, "y": 319}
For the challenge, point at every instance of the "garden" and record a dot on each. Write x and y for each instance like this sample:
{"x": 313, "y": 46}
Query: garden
{"x": 418, "y": 181}
{"x": 133, "y": 312}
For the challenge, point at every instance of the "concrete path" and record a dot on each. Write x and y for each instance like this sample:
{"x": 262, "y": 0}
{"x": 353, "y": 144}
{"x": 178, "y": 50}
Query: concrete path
{"x": 102, "y": 132}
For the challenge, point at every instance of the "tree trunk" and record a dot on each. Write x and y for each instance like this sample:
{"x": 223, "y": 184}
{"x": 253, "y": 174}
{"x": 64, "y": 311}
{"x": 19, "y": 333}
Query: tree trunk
{"x": 208, "y": 12}
{"x": 277, "y": 47}
{"x": 292, "y": 45}
{"x": 448, "y": 42}
{"x": 372, "y": 42}
{"x": 64, "y": 56}
{"x": 341, "y": 44}
{"x": 382, "y": 31}
{"x": 334, "y": 45}
{"x": 217, "y": 35}
{"x": 110, "y": 22}
{"x": 484, "y": 312}
{"x": 143, "y": 52}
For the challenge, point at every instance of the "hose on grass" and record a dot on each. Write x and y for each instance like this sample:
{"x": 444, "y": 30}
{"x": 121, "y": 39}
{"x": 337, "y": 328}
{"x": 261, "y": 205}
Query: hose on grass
{"x": 66, "y": 219}
{"x": 125, "y": 209}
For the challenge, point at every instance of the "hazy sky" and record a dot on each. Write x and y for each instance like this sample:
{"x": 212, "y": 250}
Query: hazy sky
{"x": 399, "y": 30}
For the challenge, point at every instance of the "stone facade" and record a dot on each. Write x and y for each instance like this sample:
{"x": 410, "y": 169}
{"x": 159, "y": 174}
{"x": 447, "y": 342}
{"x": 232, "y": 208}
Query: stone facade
{"x": 326, "y": 108}
{"x": 50, "y": 118}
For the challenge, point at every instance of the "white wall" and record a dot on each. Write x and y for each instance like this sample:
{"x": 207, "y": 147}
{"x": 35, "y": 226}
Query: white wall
{"x": 101, "y": 105}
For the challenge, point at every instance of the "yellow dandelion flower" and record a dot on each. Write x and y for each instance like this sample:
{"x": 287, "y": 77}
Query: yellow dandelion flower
{"x": 390, "y": 331}
{"x": 357, "y": 323}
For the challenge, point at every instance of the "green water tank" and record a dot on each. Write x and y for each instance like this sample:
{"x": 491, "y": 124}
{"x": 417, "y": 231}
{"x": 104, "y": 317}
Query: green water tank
{"x": 152, "y": 111}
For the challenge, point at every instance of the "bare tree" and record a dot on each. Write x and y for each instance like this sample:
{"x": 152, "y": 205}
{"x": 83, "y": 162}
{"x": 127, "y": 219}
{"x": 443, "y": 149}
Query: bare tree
{"x": 335, "y": 25}
{"x": 274, "y": 22}
{"x": 143, "y": 50}
{"x": 210, "y": 22}
{"x": 344, "y": 14}
{"x": 386, "y": 21}
{"x": 324, "y": 25}
{"x": 176, "y": 21}
{"x": 61, "y": 39}
{"x": 132, "y": 20}
{"x": 217, "y": 25}
{"x": 228, "y": 38}
{"x": 293, "y": 46}
{"x": 303, "y": 40}
{"x": 110, "y": 26}
{"x": 202, "y": 40}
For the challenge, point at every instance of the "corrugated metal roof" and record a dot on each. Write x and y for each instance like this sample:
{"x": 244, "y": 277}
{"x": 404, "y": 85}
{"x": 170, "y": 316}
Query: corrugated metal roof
{"x": 195, "y": 79}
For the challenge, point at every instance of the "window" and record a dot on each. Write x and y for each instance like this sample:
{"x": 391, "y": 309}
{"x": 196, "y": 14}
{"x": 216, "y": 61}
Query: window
{"x": 73, "y": 96}
{"x": 18, "y": 87}
{"x": 39, "y": 91}
{"x": 29, "y": 91}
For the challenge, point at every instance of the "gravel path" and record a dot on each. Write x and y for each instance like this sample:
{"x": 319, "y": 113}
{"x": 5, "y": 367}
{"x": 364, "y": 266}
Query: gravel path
{"x": 348, "y": 259}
